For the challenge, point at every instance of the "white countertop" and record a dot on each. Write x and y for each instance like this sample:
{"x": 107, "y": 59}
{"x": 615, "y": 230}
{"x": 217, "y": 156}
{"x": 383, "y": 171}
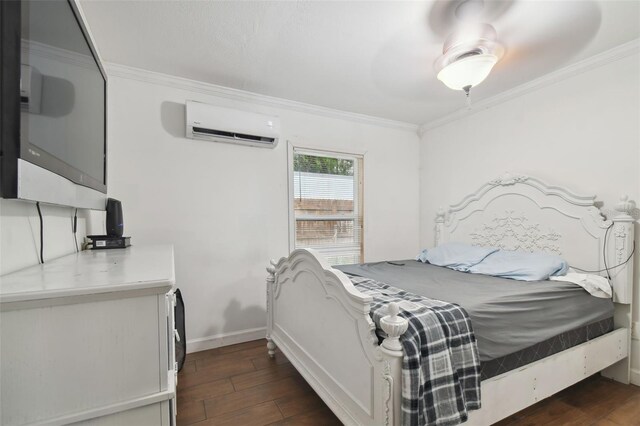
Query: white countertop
{"x": 92, "y": 272}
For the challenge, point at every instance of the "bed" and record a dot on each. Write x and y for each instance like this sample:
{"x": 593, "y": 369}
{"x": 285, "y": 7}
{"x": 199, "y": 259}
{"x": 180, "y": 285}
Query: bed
{"x": 321, "y": 322}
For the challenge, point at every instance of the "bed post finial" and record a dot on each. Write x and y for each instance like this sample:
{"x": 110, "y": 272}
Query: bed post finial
{"x": 440, "y": 214}
{"x": 271, "y": 280}
{"x": 394, "y": 326}
{"x": 625, "y": 208}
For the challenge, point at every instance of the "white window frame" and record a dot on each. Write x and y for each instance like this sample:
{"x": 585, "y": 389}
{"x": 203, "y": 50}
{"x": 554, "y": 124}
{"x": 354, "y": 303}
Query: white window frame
{"x": 357, "y": 194}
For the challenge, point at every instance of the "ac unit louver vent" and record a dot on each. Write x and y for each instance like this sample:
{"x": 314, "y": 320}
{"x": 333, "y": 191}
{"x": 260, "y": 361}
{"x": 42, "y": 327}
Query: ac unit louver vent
{"x": 232, "y": 135}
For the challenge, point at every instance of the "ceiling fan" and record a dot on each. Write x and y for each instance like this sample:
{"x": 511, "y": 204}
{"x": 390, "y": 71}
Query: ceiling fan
{"x": 470, "y": 52}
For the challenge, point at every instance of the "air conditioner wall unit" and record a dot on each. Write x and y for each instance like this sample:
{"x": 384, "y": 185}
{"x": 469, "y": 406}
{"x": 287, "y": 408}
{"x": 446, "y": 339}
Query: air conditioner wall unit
{"x": 219, "y": 124}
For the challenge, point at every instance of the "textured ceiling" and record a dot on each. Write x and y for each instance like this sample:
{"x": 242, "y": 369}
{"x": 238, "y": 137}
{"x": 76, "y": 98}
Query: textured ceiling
{"x": 373, "y": 58}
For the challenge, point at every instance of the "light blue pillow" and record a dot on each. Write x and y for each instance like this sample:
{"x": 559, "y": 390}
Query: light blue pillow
{"x": 456, "y": 256}
{"x": 521, "y": 266}
{"x": 422, "y": 257}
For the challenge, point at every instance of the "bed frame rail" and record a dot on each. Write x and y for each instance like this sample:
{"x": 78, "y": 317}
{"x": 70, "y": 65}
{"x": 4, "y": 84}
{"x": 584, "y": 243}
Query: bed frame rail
{"x": 513, "y": 391}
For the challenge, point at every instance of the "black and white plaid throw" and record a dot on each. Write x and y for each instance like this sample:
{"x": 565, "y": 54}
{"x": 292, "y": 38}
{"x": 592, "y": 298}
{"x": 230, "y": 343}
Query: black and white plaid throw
{"x": 441, "y": 366}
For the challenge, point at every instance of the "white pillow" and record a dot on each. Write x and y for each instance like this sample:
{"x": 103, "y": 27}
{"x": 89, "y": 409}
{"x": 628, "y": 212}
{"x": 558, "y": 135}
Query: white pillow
{"x": 596, "y": 285}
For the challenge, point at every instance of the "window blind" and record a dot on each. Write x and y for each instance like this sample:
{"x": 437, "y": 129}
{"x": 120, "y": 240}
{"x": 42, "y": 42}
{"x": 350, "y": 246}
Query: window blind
{"x": 327, "y": 205}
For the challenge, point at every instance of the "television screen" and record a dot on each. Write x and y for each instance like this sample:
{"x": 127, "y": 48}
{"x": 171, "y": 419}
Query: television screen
{"x": 62, "y": 95}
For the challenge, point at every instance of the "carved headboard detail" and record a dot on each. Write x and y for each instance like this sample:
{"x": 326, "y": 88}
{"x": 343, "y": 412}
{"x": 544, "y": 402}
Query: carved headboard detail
{"x": 518, "y": 212}
{"x": 513, "y": 231}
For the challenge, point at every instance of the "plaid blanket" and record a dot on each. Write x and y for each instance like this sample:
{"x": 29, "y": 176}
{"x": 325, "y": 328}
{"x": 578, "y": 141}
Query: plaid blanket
{"x": 441, "y": 366}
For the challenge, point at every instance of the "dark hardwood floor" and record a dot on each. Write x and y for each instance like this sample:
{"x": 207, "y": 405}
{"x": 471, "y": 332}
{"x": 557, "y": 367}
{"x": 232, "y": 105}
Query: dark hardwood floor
{"x": 240, "y": 385}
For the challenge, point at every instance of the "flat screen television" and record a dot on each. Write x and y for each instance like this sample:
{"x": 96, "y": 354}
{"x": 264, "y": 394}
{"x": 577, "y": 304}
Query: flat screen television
{"x": 53, "y": 106}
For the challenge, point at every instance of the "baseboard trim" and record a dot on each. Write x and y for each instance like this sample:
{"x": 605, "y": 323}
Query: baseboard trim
{"x": 635, "y": 377}
{"x": 225, "y": 339}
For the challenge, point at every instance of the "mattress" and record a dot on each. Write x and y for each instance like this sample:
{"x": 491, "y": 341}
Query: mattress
{"x": 509, "y": 317}
{"x": 541, "y": 350}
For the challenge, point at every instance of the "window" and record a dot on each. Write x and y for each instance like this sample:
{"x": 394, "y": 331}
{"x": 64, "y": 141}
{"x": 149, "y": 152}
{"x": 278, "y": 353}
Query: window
{"x": 327, "y": 205}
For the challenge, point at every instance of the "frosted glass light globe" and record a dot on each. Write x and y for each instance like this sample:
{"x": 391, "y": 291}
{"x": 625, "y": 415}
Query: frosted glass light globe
{"x": 469, "y": 71}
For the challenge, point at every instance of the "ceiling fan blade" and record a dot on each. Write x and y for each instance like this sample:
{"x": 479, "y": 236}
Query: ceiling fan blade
{"x": 568, "y": 27}
{"x": 446, "y": 16}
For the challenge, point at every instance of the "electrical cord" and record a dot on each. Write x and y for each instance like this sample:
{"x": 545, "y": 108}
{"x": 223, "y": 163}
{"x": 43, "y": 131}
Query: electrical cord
{"x": 604, "y": 251}
{"x": 75, "y": 229}
{"x": 604, "y": 257}
{"x": 41, "y": 233}
{"x": 613, "y": 267}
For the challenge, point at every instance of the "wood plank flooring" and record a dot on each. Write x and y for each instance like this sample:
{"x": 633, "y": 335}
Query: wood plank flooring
{"x": 240, "y": 385}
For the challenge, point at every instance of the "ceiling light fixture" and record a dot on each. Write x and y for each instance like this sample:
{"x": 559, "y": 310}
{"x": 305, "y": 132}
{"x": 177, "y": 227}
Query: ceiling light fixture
{"x": 468, "y": 56}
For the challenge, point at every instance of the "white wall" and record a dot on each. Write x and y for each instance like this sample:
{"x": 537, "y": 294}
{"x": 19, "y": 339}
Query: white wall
{"x": 225, "y": 207}
{"x": 20, "y": 232}
{"x": 582, "y": 133}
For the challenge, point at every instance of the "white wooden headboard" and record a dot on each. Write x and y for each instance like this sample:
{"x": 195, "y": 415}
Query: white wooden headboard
{"x": 523, "y": 213}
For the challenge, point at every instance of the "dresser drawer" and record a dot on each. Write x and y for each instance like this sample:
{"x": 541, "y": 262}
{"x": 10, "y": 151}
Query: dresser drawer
{"x": 59, "y": 360}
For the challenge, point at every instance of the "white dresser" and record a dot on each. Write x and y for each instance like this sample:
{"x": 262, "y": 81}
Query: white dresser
{"x": 88, "y": 338}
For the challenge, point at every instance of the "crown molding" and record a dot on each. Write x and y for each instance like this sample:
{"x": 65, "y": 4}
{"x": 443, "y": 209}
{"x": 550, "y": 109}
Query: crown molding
{"x": 30, "y": 47}
{"x": 609, "y": 56}
{"x": 152, "y": 77}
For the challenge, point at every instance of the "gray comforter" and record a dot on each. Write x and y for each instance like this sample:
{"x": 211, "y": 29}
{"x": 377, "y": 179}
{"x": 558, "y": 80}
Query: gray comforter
{"x": 506, "y": 315}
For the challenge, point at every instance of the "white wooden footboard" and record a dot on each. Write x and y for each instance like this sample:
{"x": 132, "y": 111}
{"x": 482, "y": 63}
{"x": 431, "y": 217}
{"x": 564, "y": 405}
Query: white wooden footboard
{"x": 321, "y": 323}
